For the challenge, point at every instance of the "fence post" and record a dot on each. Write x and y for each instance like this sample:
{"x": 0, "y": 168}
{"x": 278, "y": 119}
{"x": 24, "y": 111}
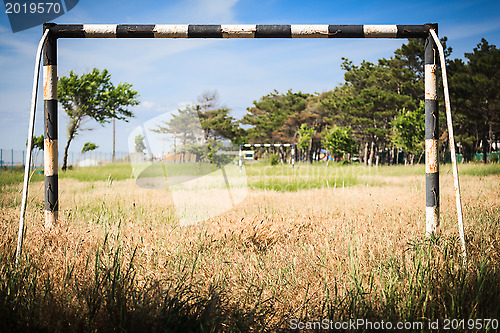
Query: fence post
{"x": 50, "y": 124}
{"x": 12, "y": 159}
{"x": 431, "y": 137}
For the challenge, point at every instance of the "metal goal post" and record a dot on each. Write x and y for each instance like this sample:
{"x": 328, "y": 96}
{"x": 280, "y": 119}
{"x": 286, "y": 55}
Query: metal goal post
{"x": 56, "y": 31}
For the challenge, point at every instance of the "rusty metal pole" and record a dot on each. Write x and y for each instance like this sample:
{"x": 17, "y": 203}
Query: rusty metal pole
{"x": 431, "y": 137}
{"x": 50, "y": 128}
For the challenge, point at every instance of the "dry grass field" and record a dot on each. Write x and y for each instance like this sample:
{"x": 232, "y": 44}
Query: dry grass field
{"x": 119, "y": 261}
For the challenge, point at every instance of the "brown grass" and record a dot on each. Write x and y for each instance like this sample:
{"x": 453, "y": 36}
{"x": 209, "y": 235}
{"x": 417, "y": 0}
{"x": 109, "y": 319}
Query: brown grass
{"x": 275, "y": 257}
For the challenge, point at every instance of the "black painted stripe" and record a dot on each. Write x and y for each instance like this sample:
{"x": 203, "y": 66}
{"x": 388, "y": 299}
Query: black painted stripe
{"x": 412, "y": 31}
{"x": 51, "y": 193}
{"x": 50, "y": 119}
{"x": 135, "y": 31}
{"x": 204, "y": 31}
{"x": 68, "y": 31}
{"x": 432, "y": 189}
{"x": 273, "y": 31}
{"x": 345, "y": 31}
{"x": 50, "y": 51}
{"x": 430, "y": 51}
{"x": 431, "y": 119}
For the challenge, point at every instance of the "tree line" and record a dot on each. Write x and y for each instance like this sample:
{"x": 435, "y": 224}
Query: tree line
{"x": 376, "y": 115}
{"x": 378, "y": 111}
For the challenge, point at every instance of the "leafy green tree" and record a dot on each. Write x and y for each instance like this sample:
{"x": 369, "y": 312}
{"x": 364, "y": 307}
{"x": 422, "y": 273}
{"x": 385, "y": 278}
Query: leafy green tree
{"x": 339, "y": 141}
{"x": 37, "y": 142}
{"x": 139, "y": 143}
{"x": 217, "y": 124}
{"x": 93, "y": 96}
{"x": 219, "y": 128}
{"x": 216, "y": 121}
{"x": 375, "y": 93}
{"x": 409, "y": 130}
{"x": 36, "y": 146}
{"x": 184, "y": 126}
{"x": 304, "y": 142}
{"x": 89, "y": 146}
{"x": 475, "y": 97}
{"x": 374, "y": 96}
{"x": 269, "y": 115}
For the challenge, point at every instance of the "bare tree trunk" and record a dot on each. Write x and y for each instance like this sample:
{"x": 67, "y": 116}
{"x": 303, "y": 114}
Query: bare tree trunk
{"x": 485, "y": 150}
{"x": 311, "y": 151}
{"x": 372, "y": 148}
{"x": 377, "y": 157}
{"x": 113, "y": 158}
{"x": 175, "y": 148}
{"x": 491, "y": 137}
{"x": 420, "y": 158}
{"x": 65, "y": 158}
{"x": 72, "y": 128}
{"x": 365, "y": 157}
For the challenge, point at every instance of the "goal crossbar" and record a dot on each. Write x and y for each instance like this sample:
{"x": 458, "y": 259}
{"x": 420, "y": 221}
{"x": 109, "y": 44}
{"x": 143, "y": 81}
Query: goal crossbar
{"x": 238, "y": 31}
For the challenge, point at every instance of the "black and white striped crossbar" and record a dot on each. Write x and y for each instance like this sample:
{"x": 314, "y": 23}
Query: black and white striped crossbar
{"x": 237, "y": 31}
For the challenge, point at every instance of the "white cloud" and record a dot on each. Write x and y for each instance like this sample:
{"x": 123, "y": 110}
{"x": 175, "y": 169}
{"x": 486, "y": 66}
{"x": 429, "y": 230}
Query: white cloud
{"x": 18, "y": 44}
{"x": 183, "y": 104}
{"x": 153, "y": 106}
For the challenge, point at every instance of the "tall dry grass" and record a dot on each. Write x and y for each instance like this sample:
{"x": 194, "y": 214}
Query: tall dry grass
{"x": 118, "y": 260}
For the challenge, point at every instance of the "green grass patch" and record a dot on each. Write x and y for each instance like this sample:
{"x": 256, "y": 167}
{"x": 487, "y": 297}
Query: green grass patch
{"x": 189, "y": 169}
{"x": 16, "y": 176}
{"x": 118, "y": 171}
{"x": 261, "y": 175}
{"x": 318, "y": 175}
{"x": 85, "y": 174}
{"x": 473, "y": 169}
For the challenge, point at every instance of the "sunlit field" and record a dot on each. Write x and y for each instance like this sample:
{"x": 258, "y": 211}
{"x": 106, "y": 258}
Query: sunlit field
{"x": 307, "y": 244}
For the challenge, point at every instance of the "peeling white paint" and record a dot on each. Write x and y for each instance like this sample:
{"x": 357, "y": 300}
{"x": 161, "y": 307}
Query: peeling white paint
{"x": 171, "y": 31}
{"x": 238, "y": 31}
{"x": 430, "y": 82}
{"x": 431, "y": 220}
{"x": 49, "y": 82}
{"x": 380, "y": 31}
{"x": 50, "y": 157}
{"x": 310, "y": 31}
{"x": 431, "y": 156}
{"x": 50, "y": 219}
{"x": 100, "y": 30}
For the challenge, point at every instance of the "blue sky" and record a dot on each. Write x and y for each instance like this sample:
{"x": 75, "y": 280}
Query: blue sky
{"x": 171, "y": 73}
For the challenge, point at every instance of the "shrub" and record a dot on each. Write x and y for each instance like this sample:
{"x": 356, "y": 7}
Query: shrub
{"x": 273, "y": 159}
